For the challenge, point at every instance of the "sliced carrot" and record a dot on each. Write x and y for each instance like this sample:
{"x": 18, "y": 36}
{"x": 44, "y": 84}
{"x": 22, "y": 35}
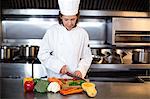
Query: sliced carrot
{"x": 53, "y": 79}
{"x": 70, "y": 91}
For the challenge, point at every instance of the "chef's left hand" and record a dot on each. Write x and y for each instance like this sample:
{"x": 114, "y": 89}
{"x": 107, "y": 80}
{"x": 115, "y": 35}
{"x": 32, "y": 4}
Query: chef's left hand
{"x": 78, "y": 73}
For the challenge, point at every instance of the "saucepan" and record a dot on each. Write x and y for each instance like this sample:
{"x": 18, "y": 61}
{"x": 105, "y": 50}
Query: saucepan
{"x": 33, "y": 51}
{"x": 141, "y": 56}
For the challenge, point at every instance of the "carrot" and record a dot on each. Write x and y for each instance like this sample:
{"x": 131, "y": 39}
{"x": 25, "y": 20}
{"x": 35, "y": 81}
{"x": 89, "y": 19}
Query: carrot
{"x": 68, "y": 89}
{"x": 53, "y": 79}
{"x": 71, "y": 90}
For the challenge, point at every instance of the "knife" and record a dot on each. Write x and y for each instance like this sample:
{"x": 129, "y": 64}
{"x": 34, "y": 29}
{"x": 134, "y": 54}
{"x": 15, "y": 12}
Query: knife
{"x": 74, "y": 76}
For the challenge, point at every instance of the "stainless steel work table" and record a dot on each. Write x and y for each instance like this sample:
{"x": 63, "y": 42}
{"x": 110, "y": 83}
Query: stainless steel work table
{"x": 13, "y": 89}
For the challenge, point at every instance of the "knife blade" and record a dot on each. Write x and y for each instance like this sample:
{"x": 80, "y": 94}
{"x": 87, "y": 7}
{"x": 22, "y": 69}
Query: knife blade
{"x": 74, "y": 76}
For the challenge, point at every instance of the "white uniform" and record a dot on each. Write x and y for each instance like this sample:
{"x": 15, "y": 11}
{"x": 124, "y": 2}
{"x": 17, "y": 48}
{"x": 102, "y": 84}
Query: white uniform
{"x": 62, "y": 47}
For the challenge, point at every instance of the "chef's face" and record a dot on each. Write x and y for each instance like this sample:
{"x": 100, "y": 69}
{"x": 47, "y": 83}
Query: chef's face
{"x": 69, "y": 22}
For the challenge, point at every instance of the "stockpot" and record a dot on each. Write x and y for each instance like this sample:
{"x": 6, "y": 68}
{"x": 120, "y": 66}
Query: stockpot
{"x": 141, "y": 56}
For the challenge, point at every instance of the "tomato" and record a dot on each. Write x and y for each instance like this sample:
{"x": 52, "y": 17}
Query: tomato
{"x": 28, "y": 86}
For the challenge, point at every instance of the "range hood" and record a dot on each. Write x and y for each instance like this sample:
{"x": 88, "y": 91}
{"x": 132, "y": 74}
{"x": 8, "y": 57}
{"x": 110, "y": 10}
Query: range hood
{"x": 108, "y": 5}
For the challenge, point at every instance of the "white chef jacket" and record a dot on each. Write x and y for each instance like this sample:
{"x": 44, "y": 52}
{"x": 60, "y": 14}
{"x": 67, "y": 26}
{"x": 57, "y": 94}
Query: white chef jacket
{"x": 62, "y": 47}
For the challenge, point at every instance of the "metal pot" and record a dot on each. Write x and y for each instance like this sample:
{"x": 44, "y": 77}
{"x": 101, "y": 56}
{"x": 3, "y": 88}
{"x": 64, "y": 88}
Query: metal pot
{"x": 106, "y": 52}
{"x": 7, "y": 53}
{"x": 141, "y": 56}
{"x": 121, "y": 53}
{"x": 24, "y": 51}
{"x": 146, "y": 58}
{"x": 2, "y": 53}
{"x": 33, "y": 51}
{"x": 95, "y": 51}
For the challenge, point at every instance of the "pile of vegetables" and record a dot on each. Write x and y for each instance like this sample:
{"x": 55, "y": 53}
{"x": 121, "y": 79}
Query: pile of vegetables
{"x": 64, "y": 86}
{"x": 41, "y": 85}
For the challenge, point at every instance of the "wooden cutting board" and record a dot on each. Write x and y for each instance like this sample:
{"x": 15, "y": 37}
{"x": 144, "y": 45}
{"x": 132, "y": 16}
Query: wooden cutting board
{"x": 67, "y": 83}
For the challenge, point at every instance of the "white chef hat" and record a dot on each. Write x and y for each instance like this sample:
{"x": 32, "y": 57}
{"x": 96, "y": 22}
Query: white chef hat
{"x": 69, "y": 7}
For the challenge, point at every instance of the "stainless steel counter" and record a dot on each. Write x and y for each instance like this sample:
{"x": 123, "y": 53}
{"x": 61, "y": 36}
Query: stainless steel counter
{"x": 20, "y": 70}
{"x": 13, "y": 89}
{"x": 119, "y": 66}
{"x": 119, "y": 72}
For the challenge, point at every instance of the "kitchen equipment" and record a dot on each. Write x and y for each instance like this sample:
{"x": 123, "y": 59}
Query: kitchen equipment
{"x": 141, "y": 56}
{"x": 7, "y": 53}
{"x": 24, "y": 51}
{"x": 97, "y": 56}
{"x": 95, "y": 51}
{"x": 106, "y": 5}
{"x": 115, "y": 58}
{"x": 105, "y": 53}
{"x": 121, "y": 53}
{"x": 130, "y": 32}
{"x": 33, "y": 51}
{"x": 127, "y": 59}
{"x": 2, "y": 53}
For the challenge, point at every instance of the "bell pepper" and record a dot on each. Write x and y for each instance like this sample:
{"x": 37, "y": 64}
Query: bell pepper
{"x": 29, "y": 86}
{"x": 27, "y": 79}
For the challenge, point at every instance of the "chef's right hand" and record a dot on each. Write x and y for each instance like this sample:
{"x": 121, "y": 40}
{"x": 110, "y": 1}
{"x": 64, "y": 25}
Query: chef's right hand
{"x": 64, "y": 70}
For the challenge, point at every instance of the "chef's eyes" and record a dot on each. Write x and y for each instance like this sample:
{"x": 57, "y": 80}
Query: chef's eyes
{"x": 70, "y": 19}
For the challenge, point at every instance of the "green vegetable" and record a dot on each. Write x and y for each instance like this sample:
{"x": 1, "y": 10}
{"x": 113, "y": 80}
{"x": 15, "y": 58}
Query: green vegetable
{"x": 76, "y": 83}
{"x": 73, "y": 83}
{"x": 41, "y": 86}
{"x": 81, "y": 81}
{"x": 36, "y": 80}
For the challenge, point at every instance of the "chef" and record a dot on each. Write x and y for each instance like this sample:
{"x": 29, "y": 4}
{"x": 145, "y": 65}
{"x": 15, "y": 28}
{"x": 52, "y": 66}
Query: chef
{"x": 64, "y": 47}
